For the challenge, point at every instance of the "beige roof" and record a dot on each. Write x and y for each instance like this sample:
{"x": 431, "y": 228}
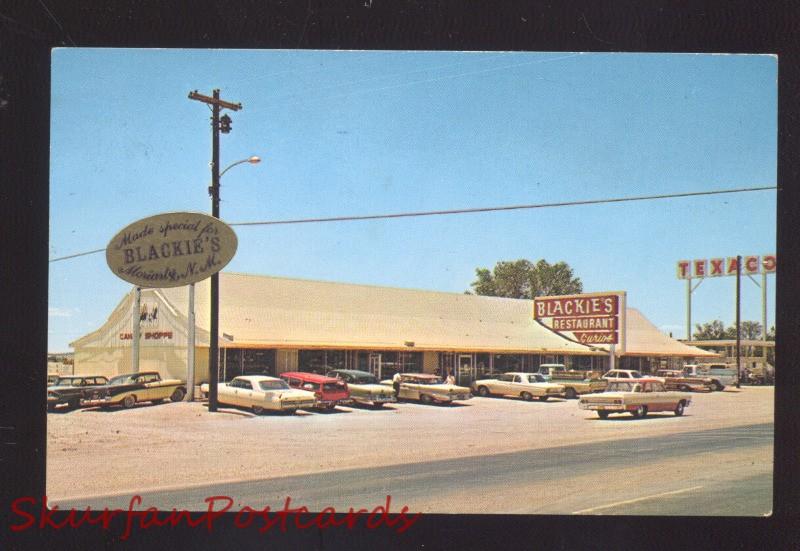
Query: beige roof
{"x": 277, "y": 312}
{"x": 281, "y": 312}
{"x": 645, "y": 339}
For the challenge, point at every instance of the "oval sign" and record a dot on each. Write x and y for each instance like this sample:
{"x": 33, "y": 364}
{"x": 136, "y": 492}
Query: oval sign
{"x": 171, "y": 249}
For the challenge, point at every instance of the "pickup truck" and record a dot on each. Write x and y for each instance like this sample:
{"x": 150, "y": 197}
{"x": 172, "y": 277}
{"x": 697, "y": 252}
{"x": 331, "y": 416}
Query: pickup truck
{"x": 574, "y": 382}
{"x": 720, "y": 374}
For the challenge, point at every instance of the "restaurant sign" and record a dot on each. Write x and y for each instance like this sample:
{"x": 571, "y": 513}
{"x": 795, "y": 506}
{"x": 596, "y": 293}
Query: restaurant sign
{"x": 171, "y": 249}
{"x": 591, "y": 318}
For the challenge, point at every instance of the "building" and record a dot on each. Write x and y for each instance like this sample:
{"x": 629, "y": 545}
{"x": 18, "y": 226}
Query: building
{"x": 273, "y": 324}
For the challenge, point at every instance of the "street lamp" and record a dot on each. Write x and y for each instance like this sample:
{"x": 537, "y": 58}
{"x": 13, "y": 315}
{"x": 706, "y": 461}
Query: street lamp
{"x": 191, "y": 337}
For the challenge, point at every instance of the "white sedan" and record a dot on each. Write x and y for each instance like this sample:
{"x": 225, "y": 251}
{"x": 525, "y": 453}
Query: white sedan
{"x": 260, "y": 392}
{"x": 524, "y": 385}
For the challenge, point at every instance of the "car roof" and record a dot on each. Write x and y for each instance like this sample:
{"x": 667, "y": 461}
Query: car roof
{"x": 420, "y": 375}
{"x": 310, "y": 377}
{"x": 257, "y": 378}
{"x": 552, "y": 365}
{"x": 350, "y": 371}
{"x": 138, "y": 373}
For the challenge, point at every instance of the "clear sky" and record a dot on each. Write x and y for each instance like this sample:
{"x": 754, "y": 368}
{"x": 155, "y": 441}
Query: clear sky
{"x": 349, "y": 133}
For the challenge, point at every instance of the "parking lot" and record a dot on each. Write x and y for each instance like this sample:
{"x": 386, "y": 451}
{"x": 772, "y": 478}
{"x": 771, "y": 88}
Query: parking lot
{"x": 182, "y": 444}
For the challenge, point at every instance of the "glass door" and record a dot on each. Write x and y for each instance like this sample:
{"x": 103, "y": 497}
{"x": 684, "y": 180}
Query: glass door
{"x": 465, "y": 373}
{"x": 375, "y": 365}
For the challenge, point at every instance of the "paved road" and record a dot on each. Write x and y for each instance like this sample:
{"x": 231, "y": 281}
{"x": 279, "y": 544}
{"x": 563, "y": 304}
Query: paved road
{"x": 713, "y": 472}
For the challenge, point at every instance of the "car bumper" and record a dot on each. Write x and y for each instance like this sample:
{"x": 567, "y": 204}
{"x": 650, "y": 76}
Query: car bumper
{"x": 605, "y": 407}
{"x": 444, "y": 398}
{"x": 383, "y": 399}
{"x": 290, "y": 406}
{"x": 100, "y": 402}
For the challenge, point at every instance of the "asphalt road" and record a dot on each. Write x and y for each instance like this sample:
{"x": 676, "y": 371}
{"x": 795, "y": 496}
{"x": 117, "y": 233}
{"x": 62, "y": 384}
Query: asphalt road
{"x": 712, "y": 472}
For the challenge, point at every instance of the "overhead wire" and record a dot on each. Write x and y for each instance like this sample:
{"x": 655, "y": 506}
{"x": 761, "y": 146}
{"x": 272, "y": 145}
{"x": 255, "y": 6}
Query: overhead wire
{"x": 472, "y": 211}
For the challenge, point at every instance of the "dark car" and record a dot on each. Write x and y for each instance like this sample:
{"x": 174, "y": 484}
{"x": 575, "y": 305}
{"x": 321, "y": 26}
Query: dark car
{"x": 70, "y": 389}
{"x": 126, "y": 390}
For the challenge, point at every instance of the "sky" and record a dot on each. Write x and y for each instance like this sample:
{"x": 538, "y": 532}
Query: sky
{"x": 373, "y": 132}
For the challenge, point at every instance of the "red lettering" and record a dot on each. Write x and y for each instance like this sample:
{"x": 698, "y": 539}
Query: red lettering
{"x": 212, "y": 514}
{"x": 769, "y": 263}
{"x": 733, "y": 265}
{"x": 249, "y": 512}
{"x": 716, "y": 266}
{"x": 683, "y": 269}
{"x": 131, "y": 514}
{"x": 751, "y": 264}
{"x": 15, "y": 508}
{"x": 407, "y": 522}
{"x": 700, "y": 268}
{"x": 46, "y": 516}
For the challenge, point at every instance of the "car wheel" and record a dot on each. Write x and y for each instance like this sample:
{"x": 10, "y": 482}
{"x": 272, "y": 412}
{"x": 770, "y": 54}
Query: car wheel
{"x": 527, "y": 396}
{"x": 718, "y": 386}
{"x": 74, "y": 404}
{"x": 258, "y": 410}
{"x": 570, "y": 393}
{"x": 425, "y": 399}
{"x": 51, "y": 407}
{"x": 483, "y": 391}
{"x": 683, "y": 388}
{"x": 679, "y": 408}
{"x": 602, "y": 414}
{"x": 543, "y": 398}
{"x": 640, "y": 412}
{"x": 129, "y": 401}
{"x": 177, "y": 395}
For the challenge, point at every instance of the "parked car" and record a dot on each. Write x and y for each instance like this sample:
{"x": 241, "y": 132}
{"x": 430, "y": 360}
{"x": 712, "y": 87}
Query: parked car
{"x": 261, "y": 392}
{"x": 126, "y": 390}
{"x": 328, "y": 391}
{"x": 675, "y": 379}
{"x": 523, "y": 385}
{"x": 364, "y": 387}
{"x": 428, "y": 388}
{"x": 51, "y": 379}
{"x": 637, "y": 397}
{"x": 70, "y": 389}
{"x": 621, "y": 375}
{"x": 721, "y": 374}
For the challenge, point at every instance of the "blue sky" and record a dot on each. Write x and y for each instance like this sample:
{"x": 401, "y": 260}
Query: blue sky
{"x": 345, "y": 133}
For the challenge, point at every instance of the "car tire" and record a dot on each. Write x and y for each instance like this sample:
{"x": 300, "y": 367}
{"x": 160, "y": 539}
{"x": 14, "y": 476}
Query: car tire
{"x": 679, "y": 408}
{"x": 483, "y": 391}
{"x": 718, "y": 387}
{"x": 74, "y": 404}
{"x": 640, "y": 412}
{"x": 129, "y": 401}
{"x": 684, "y": 388}
{"x": 527, "y": 396}
{"x": 425, "y": 399}
{"x": 258, "y": 410}
{"x": 570, "y": 393}
{"x": 602, "y": 414}
{"x": 177, "y": 395}
{"x": 51, "y": 407}
{"x": 330, "y": 407}
{"x": 543, "y": 398}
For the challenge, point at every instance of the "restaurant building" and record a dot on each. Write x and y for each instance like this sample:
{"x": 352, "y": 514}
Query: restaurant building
{"x": 270, "y": 325}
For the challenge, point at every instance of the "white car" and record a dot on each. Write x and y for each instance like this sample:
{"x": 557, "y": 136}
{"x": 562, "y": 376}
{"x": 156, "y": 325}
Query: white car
{"x": 260, "y": 392}
{"x": 524, "y": 385}
{"x": 621, "y": 375}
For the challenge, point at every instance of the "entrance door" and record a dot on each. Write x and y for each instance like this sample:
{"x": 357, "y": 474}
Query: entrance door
{"x": 375, "y": 365}
{"x": 465, "y": 373}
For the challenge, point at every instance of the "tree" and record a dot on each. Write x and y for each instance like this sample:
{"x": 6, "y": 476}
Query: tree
{"x": 524, "y": 279}
{"x": 750, "y": 330}
{"x": 712, "y": 331}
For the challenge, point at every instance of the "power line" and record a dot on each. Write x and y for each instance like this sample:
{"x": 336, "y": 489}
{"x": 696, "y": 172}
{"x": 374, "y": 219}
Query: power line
{"x": 492, "y": 209}
{"x": 472, "y": 210}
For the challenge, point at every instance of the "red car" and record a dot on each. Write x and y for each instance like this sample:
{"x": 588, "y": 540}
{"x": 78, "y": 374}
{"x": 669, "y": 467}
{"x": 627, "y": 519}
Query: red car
{"x": 329, "y": 391}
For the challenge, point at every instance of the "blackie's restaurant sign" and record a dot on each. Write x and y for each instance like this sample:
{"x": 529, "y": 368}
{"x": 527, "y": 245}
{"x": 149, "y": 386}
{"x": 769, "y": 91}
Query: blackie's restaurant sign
{"x": 171, "y": 249}
{"x": 590, "y": 318}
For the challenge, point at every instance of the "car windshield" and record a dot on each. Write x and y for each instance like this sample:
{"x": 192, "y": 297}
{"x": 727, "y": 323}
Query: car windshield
{"x": 622, "y": 386}
{"x": 273, "y": 385}
{"x": 121, "y": 380}
{"x": 68, "y": 382}
{"x": 365, "y": 379}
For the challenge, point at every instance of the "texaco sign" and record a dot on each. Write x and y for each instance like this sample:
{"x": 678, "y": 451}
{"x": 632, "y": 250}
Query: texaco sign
{"x": 591, "y": 318}
{"x": 171, "y": 249}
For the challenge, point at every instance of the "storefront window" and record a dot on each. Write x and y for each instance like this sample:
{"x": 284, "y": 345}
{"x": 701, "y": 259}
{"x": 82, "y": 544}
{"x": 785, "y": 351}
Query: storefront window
{"x": 244, "y": 361}
{"x": 321, "y": 361}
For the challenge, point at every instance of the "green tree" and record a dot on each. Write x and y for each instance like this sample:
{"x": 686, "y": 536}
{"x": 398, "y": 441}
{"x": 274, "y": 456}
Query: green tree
{"x": 524, "y": 279}
{"x": 711, "y": 331}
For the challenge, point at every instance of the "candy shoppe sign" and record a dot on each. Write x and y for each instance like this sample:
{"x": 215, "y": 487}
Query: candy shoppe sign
{"x": 171, "y": 249}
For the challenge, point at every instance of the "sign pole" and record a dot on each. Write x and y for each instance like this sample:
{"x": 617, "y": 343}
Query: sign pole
{"x": 689, "y": 309}
{"x": 738, "y": 325}
{"x": 190, "y": 347}
{"x": 137, "y": 315}
{"x": 612, "y": 359}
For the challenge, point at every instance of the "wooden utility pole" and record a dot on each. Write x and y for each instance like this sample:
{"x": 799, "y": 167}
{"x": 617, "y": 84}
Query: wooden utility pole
{"x": 213, "y": 352}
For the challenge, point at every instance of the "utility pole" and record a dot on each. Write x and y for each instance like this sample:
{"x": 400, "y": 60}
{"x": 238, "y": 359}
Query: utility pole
{"x": 738, "y": 324}
{"x": 217, "y": 124}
